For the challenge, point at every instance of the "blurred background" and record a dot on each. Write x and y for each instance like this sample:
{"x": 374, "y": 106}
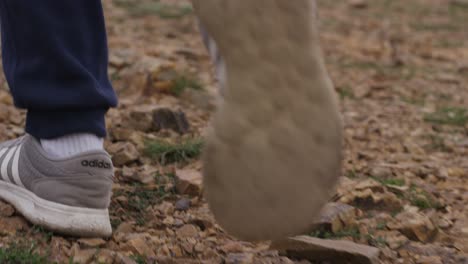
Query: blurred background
{"x": 400, "y": 69}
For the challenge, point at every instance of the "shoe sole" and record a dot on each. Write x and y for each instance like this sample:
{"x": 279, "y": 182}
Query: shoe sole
{"x": 63, "y": 219}
{"x": 273, "y": 155}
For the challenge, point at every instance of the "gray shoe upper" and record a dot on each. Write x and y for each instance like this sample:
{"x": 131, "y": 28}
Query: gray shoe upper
{"x": 84, "y": 180}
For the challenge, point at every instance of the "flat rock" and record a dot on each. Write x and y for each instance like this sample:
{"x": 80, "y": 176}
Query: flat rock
{"x": 416, "y": 226}
{"x": 187, "y": 231}
{"x": 83, "y": 256}
{"x": 315, "y": 249}
{"x": 429, "y": 260}
{"x": 165, "y": 118}
{"x": 371, "y": 200}
{"x": 358, "y": 3}
{"x": 140, "y": 118}
{"x": 91, "y": 242}
{"x": 334, "y": 217}
{"x": 105, "y": 256}
{"x": 140, "y": 246}
{"x": 11, "y": 225}
{"x": 122, "y": 259}
{"x": 123, "y": 153}
{"x": 183, "y": 204}
{"x": 189, "y": 182}
{"x": 6, "y": 210}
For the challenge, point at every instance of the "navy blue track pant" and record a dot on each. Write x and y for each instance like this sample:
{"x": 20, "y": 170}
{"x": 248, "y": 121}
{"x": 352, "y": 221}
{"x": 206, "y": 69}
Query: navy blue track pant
{"x": 55, "y": 61}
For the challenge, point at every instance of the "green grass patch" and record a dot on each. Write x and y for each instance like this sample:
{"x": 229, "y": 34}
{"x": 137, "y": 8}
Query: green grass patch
{"x": 454, "y": 116}
{"x": 139, "y": 259}
{"x": 405, "y": 72}
{"x": 183, "y": 82}
{"x": 41, "y": 230}
{"x": 421, "y": 202}
{"x": 390, "y": 181}
{"x": 345, "y": 92}
{"x": 376, "y": 241}
{"x": 21, "y": 254}
{"x": 381, "y": 225}
{"x": 167, "y": 153}
{"x": 436, "y": 27}
{"x": 414, "y": 101}
{"x": 352, "y": 174}
{"x": 350, "y": 232}
{"x": 140, "y": 198}
{"x": 422, "y": 199}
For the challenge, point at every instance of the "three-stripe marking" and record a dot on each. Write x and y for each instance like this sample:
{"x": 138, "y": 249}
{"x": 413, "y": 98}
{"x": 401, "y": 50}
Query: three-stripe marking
{"x": 14, "y": 153}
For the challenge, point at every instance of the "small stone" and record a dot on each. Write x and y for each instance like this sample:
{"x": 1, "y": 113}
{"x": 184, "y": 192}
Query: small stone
{"x": 395, "y": 239}
{"x": 83, "y": 256}
{"x": 91, "y": 242}
{"x": 334, "y": 217}
{"x": 11, "y": 225}
{"x": 122, "y": 259}
{"x": 416, "y": 226}
{"x": 358, "y": 3}
{"x": 165, "y": 208}
{"x": 399, "y": 190}
{"x": 444, "y": 222}
{"x": 447, "y": 78}
{"x": 128, "y": 174}
{"x": 182, "y": 204}
{"x": 371, "y": 184}
{"x": 168, "y": 221}
{"x": 203, "y": 223}
{"x": 105, "y": 256}
{"x": 315, "y": 249}
{"x": 370, "y": 200}
{"x": 6, "y": 210}
{"x": 120, "y": 133}
{"x": 199, "y": 248}
{"x": 145, "y": 174}
{"x": 239, "y": 258}
{"x": 121, "y": 58}
{"x": 187, "y": 247}
{"x": 140, "y": 118}
{"x": 123, "y": 153}
{"x": 124, "y": 228}
{"x": 59, "y": 250}
{"x": 189, "y": 182}
{"x": 165, "y": 118}
{"x": 178, "y": 222}
{"x": 429, "y": 260}
{"x": 176, "y": 251}
{"x": 381, "y": 172}
{"x": 5, "y": 98}
{"x": 140, "y": 246}
{"x": 462, "y": 3}
{"x": 232, "y": 247}
{"x": 187, "y": 231}
{"x": 464, "y": 231}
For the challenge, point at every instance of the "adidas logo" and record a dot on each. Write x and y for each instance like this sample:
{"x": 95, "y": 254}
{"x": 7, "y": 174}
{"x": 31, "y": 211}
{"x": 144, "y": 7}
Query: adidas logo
{"x": 96, "y": 164}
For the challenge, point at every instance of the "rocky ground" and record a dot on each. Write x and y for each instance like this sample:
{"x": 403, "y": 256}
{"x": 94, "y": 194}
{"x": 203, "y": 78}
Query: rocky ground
{"x": 400, "y": 68}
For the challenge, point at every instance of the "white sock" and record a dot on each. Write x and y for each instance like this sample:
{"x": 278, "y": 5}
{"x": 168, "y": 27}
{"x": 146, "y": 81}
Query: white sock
{"x": 69, "y": 145}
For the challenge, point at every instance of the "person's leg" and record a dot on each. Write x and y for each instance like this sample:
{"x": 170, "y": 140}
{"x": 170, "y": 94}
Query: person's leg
{"x": 273, "y": 156}
{"x": 55, "y": 61}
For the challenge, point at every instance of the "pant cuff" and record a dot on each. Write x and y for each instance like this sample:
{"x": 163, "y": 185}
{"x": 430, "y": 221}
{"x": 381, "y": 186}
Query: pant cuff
{"x": 53, "y": 124}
